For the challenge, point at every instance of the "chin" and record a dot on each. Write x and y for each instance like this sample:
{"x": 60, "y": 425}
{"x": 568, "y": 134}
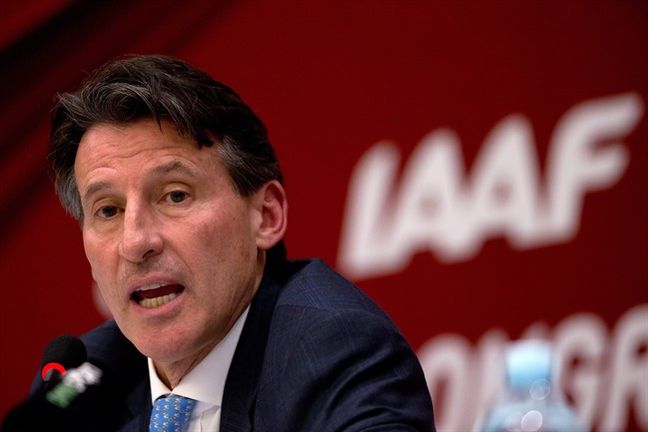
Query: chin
{"x": 169, "y": 350}
{"x": 153, "y": 345}
{"x": 160, "y": 353}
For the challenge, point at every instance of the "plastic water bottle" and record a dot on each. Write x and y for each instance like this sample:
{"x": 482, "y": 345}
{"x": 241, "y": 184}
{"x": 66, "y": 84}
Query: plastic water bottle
{"x": 531, "y": 403}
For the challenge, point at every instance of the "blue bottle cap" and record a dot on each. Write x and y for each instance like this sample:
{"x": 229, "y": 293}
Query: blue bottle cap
{"x": 528, "y": 366}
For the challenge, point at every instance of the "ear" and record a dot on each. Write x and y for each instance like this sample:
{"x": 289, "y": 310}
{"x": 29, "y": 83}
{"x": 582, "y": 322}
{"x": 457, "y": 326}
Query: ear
{"x": 273, "y": 209}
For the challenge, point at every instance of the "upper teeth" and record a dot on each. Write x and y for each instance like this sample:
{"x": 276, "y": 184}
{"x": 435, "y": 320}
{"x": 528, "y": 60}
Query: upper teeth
{"x": 150, "y": 286}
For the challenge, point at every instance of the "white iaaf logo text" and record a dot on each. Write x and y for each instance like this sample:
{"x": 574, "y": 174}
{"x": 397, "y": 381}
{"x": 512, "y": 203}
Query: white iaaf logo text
{"x": 439, "y": 208}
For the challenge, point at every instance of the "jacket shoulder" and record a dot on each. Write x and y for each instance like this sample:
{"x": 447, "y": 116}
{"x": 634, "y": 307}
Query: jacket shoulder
{"x": 316, "y": 285}
{"x": 335, "y": 361}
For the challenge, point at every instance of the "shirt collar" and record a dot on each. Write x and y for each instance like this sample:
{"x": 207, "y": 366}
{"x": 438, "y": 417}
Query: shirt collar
{"x": 206, "y": 381}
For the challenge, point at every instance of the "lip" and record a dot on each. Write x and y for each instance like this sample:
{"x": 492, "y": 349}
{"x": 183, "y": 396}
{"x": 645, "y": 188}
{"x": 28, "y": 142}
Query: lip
{"x": 150, "y": 281}
{"x": 165, "y": 311}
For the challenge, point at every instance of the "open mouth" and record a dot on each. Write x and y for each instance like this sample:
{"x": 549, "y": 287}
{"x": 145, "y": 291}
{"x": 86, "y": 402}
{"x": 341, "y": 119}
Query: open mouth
{"x": 153, "y": 296}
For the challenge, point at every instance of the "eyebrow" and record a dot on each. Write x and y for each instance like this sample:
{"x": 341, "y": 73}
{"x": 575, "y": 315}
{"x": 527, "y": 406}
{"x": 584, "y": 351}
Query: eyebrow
{"x": 175, "y": 166}
{"x": 94, "y": 188}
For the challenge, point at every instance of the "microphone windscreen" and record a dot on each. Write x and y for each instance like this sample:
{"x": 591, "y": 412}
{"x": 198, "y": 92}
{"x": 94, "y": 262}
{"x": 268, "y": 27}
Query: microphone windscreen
{"x": 67, "y": 350}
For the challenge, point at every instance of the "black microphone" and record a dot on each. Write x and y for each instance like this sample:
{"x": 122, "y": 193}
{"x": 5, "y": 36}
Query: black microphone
{"x": 97, "y": 394}
{"x": 72, "y": 401}
{"x": 63, "y": 353}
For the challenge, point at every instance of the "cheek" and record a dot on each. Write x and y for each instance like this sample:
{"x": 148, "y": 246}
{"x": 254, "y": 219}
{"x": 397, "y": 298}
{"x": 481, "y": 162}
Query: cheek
{"x": 225, "y": 251}
{"x": 91, "y": 253}
{"x": 98, "y": 255}
{"x": 219, "y": 233}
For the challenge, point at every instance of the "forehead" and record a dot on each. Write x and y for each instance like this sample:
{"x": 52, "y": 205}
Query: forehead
{"x": 146, "y": 141}
{"x": 129, "y": 139}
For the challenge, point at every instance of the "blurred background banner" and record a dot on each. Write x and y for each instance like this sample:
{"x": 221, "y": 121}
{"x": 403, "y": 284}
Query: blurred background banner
{"x": 478, "y": 168}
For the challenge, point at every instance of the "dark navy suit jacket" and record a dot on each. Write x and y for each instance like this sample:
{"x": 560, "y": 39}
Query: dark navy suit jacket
{"x": 315, "y": 354}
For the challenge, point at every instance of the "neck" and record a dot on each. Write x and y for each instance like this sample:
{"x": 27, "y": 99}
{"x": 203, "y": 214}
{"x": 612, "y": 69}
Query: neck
{"x": 171, "y": 373}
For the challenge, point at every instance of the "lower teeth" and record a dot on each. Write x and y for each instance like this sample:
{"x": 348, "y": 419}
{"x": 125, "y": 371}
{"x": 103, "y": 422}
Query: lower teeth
{"x": 157, "y": 301}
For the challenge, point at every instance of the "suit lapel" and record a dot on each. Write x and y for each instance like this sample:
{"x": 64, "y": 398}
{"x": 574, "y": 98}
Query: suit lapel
{"x": 242, "y": 379}
{"x": 139, "y": 405}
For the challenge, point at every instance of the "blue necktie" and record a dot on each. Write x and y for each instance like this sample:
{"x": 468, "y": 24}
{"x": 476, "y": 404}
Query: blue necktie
{"x": 171, "y": 413}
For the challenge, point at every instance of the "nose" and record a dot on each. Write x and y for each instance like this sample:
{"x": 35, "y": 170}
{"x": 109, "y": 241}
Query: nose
{"x": 141, "y": 237}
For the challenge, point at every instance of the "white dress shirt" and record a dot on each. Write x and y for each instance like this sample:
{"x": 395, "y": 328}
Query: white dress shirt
{"x": 205, "y": 382}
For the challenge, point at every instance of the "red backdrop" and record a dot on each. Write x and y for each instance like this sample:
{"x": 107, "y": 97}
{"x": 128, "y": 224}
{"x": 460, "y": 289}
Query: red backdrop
{"x": 478, "y": 169}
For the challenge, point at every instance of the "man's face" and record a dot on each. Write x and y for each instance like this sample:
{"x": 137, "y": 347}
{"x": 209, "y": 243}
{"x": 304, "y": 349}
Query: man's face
{"x": 172, "y": 245}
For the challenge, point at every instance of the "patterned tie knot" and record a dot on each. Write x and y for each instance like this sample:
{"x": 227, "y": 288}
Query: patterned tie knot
{"x": 171, "y": 413}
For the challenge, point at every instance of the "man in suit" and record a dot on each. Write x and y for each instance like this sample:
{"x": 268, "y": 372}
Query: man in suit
{"x": 180, "y": 200}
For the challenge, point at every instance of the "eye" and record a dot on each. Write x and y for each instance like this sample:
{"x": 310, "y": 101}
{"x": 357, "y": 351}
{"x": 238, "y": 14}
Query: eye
{"x": 107, "y": 212}
{"x": 177, "y": 196}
